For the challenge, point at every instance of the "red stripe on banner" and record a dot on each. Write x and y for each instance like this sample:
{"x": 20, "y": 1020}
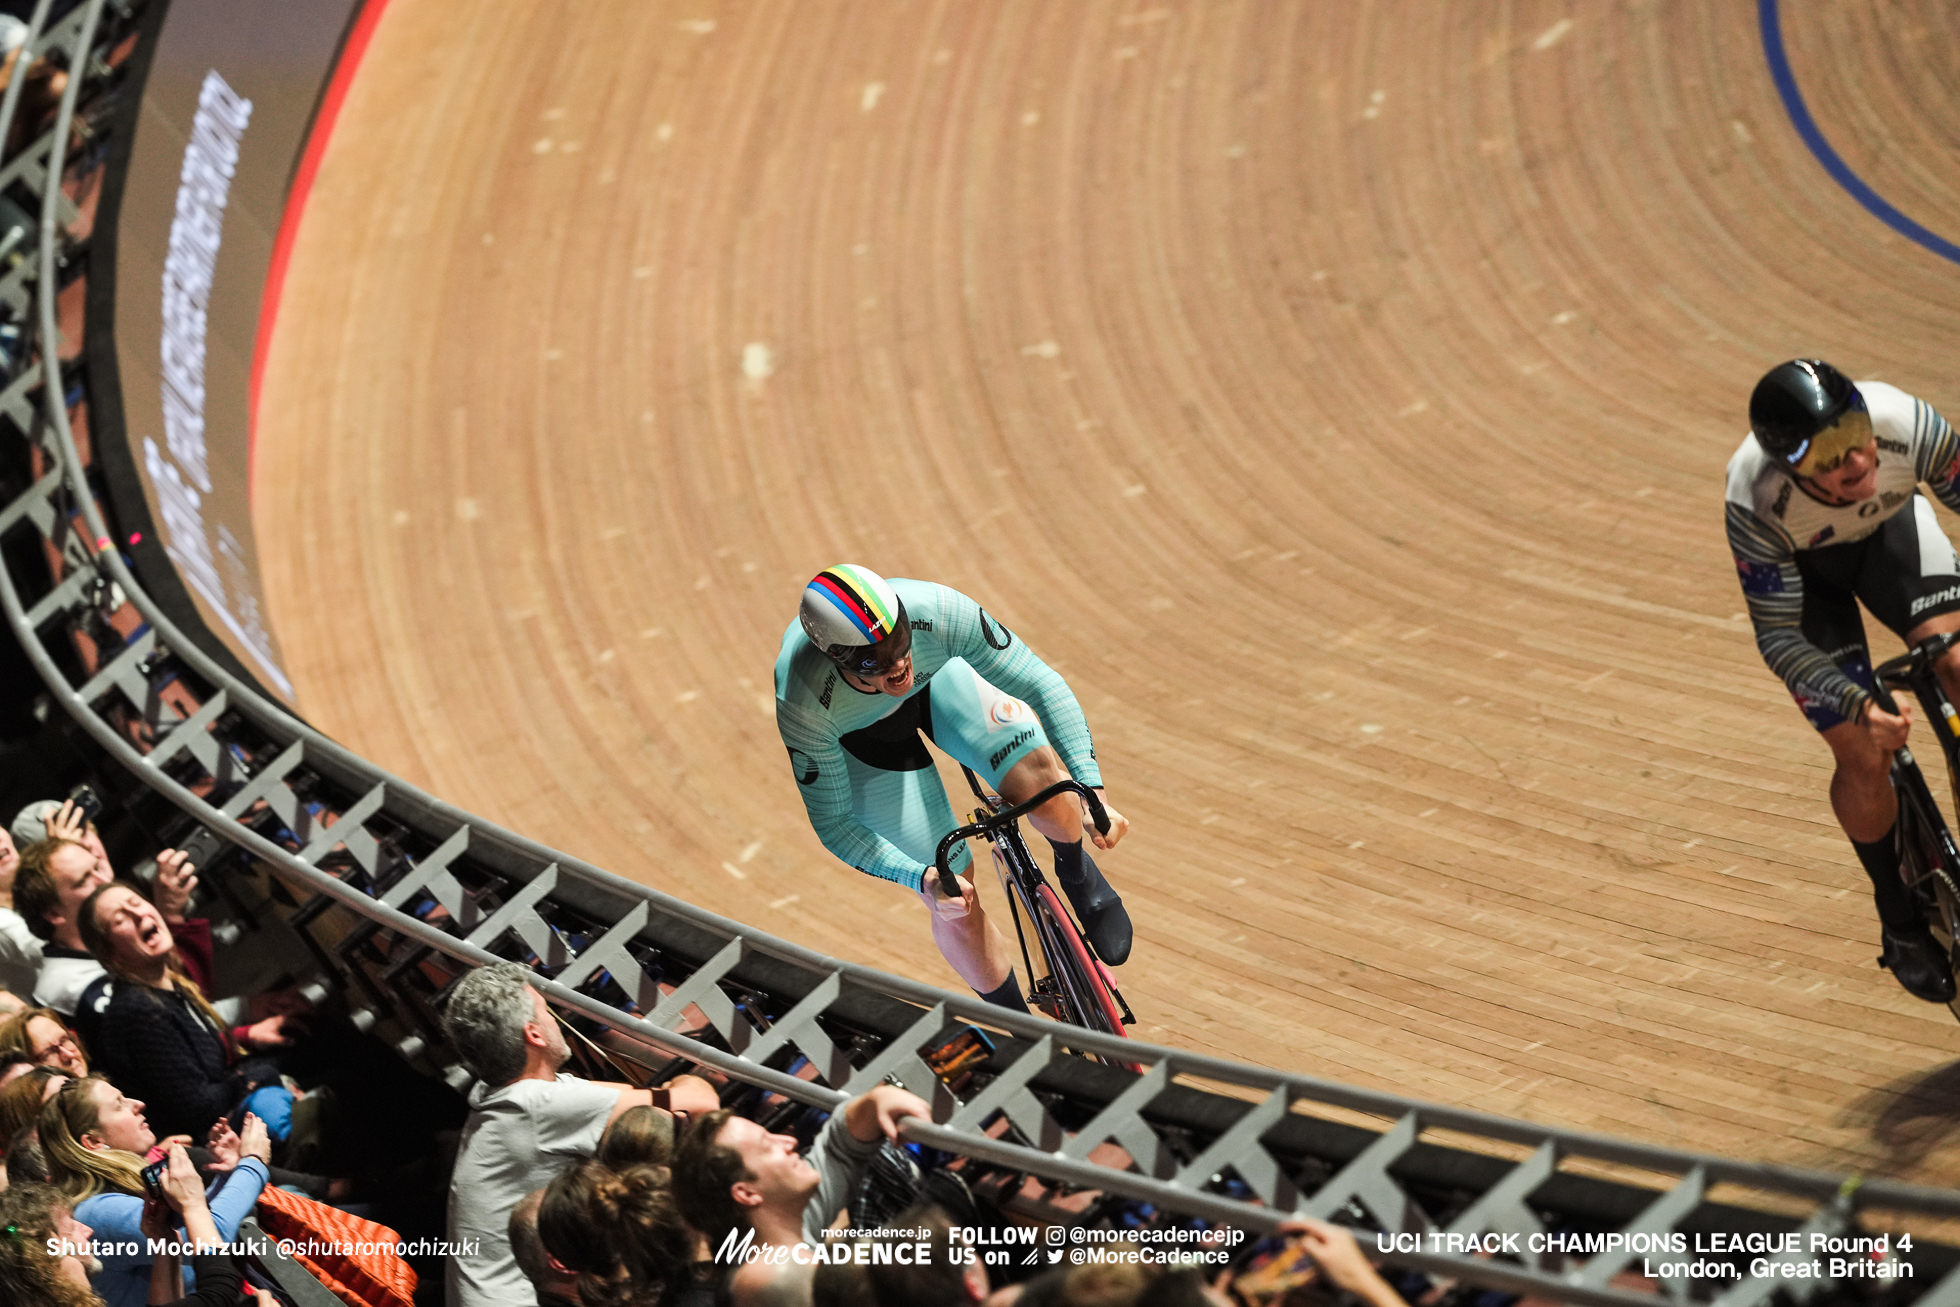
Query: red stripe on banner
{"x": 282, "y": 248}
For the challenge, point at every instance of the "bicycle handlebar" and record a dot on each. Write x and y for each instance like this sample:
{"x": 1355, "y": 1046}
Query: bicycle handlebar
{"x": 1918, "y": 661}
{"x": 1006, "y": 816}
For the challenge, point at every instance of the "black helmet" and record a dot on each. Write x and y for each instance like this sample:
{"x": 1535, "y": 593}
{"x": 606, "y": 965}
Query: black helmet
{"x": 1796, "y": 400}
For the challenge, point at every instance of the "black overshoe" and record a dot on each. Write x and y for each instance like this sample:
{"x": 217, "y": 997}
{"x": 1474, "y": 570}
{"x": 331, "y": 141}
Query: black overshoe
{"x": 1101, "y": 912}
{"x": 1917, "y": 962}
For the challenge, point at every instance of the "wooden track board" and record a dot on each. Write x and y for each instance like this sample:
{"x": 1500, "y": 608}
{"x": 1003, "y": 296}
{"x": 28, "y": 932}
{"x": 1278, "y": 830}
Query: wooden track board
{"x": 1337, "y": 394}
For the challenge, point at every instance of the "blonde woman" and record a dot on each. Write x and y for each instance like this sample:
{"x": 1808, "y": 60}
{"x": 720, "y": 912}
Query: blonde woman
{"x": 94, "y": 1139}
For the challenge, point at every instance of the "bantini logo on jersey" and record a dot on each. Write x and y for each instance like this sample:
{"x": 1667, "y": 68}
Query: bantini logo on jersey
{"x": 993, "y": 759}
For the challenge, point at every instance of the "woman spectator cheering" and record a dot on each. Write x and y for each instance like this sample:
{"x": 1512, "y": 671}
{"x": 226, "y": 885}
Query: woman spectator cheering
{"x": 94, "y": 1140}
{"x": 157, "y": 1034}
{"x": 40, "y": 1035}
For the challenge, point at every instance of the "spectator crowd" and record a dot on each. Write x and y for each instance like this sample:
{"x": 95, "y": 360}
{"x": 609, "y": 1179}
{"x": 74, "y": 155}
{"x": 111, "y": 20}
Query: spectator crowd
{"x": 592, "y": 1193}
{"x": 137, "y": 1112}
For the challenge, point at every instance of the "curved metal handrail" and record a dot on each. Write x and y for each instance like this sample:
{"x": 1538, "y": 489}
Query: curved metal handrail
{"x": 1168, "y": 1170}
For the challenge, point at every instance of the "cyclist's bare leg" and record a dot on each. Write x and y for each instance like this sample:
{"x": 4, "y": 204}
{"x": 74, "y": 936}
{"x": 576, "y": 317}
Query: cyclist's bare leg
{"x": 1104, "y": 919}
{"x": 967, "y": 938}
{"x": 1861, "y": 787}
{"x": 1060, "y": 819}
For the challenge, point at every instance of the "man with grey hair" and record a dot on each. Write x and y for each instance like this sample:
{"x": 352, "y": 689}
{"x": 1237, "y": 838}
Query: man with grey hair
{"x": 528, "y": 1121}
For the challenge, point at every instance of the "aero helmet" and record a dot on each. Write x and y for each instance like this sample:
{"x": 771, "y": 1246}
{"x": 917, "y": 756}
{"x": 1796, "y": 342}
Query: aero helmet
{"x": 856, "y": 618}
{"x": 1797, "y": 402}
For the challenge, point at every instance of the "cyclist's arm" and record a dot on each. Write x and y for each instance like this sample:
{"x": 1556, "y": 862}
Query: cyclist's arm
{"x": 1773, "y": 589}
{"x": 1939, "y": 453}
{"x": 1004, "y": 661}
{"x": 817, "y": 761}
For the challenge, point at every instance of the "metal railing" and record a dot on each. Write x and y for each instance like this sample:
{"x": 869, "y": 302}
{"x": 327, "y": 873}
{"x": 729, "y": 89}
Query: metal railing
{"x": 401, "y": 890}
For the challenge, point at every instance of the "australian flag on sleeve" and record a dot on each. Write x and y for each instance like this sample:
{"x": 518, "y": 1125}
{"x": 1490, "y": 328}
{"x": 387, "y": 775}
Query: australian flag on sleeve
{"x": 1760, "y": 578}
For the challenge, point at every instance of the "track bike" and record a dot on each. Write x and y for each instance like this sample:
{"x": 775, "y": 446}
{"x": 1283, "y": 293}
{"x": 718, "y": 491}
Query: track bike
{"x": 1072, "y": 985}
{"x": 1929, "y": 861}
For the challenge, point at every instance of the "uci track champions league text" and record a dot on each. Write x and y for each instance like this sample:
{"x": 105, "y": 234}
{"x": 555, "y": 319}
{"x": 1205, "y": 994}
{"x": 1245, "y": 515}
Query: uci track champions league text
{"x": 183, "y": 478}
{"x": 1792, "y": 1256}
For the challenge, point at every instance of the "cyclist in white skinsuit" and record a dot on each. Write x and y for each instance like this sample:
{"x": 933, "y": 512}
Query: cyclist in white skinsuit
{"x": 867, "y": 666}
{"x": 1824, "y": 510}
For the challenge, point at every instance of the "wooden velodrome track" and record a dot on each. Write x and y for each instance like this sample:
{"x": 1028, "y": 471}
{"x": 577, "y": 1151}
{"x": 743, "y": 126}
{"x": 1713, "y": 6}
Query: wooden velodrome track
{"x": 1337, "y": 394}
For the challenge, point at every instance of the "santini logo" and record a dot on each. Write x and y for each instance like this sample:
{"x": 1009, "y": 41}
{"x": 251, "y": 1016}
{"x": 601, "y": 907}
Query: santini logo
{"x": 1020, "y": 738}
{"x": 1924, "y": 602}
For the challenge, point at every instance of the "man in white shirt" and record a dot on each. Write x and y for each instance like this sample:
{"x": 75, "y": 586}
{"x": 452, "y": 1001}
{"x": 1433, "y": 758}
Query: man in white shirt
{"x": 58, "y": 876}
{"x": 20, "y": 951}
{"x": 527, "y": 1122}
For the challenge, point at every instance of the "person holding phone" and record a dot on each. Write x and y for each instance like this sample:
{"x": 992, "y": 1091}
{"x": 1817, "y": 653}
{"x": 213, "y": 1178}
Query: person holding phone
{"x": 94, "y": 1139}
{"x": 175, "y": 1197}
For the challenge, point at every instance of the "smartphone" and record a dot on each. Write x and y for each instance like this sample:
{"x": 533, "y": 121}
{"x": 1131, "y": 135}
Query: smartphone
{"x": 153, "y": 1178}
{"x": 88, "y": 806}
{"x": 201, "y": 847}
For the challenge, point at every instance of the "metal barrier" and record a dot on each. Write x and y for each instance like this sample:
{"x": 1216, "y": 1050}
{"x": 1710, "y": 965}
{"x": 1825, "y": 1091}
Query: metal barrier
{"x": 401, "y": 891}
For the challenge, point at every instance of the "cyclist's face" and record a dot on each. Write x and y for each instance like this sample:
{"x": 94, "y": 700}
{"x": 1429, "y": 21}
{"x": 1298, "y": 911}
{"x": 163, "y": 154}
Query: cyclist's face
{"x": 896, "y": 680}
{"x": 1854, "y": 477}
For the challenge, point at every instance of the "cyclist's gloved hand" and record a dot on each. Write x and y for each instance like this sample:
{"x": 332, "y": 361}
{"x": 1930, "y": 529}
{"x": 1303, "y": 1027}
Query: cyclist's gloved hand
{"x": 1119, "y": 825}
{"x": 949, "y": 909}
{"x": 1887, "y": 732}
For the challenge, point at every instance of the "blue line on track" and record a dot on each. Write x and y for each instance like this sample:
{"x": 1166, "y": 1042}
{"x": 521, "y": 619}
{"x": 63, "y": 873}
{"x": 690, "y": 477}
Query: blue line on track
{"x": 1786, "y": 86}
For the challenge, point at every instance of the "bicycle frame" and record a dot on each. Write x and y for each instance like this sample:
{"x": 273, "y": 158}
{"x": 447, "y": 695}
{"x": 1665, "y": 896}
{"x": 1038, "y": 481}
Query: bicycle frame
{"x": 1068, "y": 957}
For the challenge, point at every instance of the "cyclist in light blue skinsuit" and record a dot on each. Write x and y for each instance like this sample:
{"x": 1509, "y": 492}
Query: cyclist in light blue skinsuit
{"x": 867, "y": 667}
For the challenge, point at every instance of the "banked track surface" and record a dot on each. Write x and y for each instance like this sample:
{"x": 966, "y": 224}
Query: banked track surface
{"x": 1338, "y": 395}
{"x": 379, "y": 844}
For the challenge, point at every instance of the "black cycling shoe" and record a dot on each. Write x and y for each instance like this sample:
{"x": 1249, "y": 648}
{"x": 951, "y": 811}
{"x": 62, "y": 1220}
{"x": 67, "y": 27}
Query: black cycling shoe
{"x": 1917, "y": 962}
{"x": 1100, "y": 909}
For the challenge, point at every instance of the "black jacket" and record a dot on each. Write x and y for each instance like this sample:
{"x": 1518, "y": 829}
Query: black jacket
{"x": 157, "y": 1046}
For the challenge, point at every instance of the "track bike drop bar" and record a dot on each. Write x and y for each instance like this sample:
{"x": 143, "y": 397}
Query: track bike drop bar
{"x": 1910, "y": 669}
{"x": 986, "y": 825}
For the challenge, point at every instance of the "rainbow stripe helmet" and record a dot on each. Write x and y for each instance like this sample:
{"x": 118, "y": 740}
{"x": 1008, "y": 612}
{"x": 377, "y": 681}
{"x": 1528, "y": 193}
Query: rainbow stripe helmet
{"x": 856, "y": 618}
